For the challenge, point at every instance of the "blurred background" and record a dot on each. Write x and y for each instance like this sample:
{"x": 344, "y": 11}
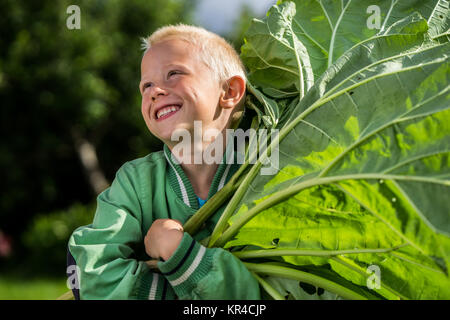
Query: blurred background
{"x": 70, "y": 117}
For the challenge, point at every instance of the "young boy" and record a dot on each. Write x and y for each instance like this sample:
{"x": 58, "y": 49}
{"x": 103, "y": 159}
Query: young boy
{"x": 187, "y": 74}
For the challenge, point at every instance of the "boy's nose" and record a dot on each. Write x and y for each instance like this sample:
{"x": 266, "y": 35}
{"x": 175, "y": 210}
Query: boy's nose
{"x": 157, "y": 91}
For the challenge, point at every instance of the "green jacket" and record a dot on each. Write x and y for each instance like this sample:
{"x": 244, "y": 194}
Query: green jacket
{"x": 110, "y": 253}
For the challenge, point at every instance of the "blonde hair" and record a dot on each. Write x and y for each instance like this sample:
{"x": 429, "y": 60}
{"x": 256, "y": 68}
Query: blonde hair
{"x": 214, "y": 51}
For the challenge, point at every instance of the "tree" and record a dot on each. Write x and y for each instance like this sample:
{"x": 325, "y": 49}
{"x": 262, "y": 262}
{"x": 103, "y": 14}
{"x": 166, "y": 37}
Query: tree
{"x": 70, "y": 99}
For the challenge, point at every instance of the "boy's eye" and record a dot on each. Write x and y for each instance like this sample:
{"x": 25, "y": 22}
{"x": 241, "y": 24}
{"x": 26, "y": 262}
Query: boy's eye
{"x": 146, "y": 85}
{"x": 172, "y": 72}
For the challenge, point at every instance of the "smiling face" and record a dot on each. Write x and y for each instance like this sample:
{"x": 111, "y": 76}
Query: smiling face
{"x": 177, "y": 88}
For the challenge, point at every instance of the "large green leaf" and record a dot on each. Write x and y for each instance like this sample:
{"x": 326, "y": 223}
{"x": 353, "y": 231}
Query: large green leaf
{"x": 364, "y": 166}
{"x": 299, "y": 40}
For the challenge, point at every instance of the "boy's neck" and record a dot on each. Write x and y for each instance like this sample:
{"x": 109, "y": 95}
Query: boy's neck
{"x": 201, "y": 175}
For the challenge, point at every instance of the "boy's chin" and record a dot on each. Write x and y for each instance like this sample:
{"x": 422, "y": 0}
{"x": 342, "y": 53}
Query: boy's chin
{"x": 169, "y": 139}
{"x": 164, "y": 138}
{"x": 173, "y": 136}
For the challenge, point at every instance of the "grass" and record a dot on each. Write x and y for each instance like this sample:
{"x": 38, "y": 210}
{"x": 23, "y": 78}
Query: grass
{"x": 23, "y": 288}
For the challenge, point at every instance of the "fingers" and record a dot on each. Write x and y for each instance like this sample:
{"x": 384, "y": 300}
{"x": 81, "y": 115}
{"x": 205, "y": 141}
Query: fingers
{"x": 176, "y": 224}
{"x": 168, "y": 224}
{"x": 161, "y": 237}
{"x": 153, "y": 264}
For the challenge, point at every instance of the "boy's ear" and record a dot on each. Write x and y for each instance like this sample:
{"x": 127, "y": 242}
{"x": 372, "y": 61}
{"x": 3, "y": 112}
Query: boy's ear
{"x": 233, "y": 91}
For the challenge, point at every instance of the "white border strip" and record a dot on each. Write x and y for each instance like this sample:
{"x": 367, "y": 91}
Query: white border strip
{"x": 224, "y": 177}
{"x": 152, "y": 295}
{"x": 180, "y": 183}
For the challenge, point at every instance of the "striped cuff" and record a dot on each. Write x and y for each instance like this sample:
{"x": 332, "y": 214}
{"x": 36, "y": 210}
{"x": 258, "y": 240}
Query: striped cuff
{"x": 152, "y": 287}
{"x": 187, "y": 266}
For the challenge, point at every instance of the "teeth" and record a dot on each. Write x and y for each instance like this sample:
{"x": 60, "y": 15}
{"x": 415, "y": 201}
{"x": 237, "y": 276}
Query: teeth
{"x": 166, "y": 110}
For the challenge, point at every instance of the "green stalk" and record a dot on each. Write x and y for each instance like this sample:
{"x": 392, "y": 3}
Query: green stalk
{"x": 212, "y": 205}
{"x": 285, "y": 272}
{"x": 264, "y": 253}
{"x": 196, "y": 221}
{"x": 245, "y": 180}
{"x": 269, "y": 289}
{"x": 222, "y": 223}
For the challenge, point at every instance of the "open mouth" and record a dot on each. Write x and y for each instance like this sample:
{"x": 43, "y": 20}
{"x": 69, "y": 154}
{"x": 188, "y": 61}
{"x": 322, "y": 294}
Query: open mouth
{"x": 166, "y": 112}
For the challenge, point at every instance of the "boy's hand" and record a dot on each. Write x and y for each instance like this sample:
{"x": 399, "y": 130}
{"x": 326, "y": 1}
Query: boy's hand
{"x": 163, "y": 238}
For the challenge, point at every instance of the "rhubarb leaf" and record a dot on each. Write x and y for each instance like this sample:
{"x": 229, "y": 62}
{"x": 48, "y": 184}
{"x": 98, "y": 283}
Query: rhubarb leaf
{"x": 364, "y": 163}
{"x": 299, "y": 40}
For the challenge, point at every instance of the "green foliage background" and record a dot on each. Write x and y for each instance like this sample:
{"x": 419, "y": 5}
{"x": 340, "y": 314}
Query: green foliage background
{"x": 55, "y": 81}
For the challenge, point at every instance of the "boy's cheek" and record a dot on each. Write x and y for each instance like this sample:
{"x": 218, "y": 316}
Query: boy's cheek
{"x": 144, "y": 103}
{"x": 145, "y": 109}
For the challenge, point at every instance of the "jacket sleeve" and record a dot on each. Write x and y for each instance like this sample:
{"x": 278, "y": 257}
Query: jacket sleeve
{"x": 197, "y": 272}
{"x": 104, "y": 251}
